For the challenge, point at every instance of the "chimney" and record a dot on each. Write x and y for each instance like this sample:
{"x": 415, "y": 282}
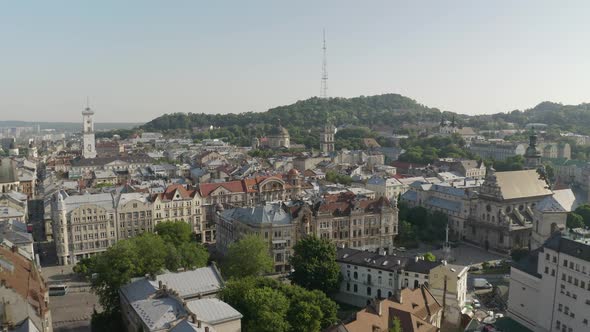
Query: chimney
{"x": 416, "y": 259}
{"x": 194, "y": 318}
{"x": 399, "y": 262}
{"x": 444, "y": 262}
{"x": 159, "y": 284}
{"x": 199, "y": 324}
{"x": 379, "y": 306}
{"x": 206, "y": 328}
{"x": 164, "y": 287}
{"x": 14, "y": 248}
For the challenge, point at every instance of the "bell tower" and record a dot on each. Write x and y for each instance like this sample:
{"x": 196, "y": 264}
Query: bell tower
{"x": 327, "y": 139}
{"x": 89, "y": 144}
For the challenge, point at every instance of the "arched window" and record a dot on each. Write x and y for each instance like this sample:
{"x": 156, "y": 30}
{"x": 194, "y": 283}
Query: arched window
{"x": 355, "y": 288}
{"x": 416, "y": 284}
{"x": 355, "y": 275}
{"x": 369, "y": 291}
{"x": 378, "y": 293}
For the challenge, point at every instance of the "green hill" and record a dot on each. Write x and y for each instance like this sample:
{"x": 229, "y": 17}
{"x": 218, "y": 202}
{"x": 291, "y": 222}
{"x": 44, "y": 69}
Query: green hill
{"x": 388, "y": 109}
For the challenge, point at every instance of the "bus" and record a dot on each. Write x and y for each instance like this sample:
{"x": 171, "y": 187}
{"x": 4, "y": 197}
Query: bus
{"x": 58, "y": 290}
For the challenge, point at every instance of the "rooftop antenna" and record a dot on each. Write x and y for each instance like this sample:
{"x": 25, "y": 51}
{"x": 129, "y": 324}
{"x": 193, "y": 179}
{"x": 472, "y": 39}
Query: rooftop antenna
{"x": 324, "y": 87}
{"x": 87, "y": 102}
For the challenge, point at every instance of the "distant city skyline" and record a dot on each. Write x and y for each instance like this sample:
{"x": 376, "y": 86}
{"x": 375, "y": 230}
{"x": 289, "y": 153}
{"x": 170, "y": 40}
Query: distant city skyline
{"x": 137, "y": 60}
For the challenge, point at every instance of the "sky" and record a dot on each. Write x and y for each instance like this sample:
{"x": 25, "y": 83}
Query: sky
{"x": 136, "y": 60}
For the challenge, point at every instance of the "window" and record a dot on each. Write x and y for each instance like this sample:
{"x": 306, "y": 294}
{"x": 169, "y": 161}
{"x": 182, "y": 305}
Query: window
{"x": 565, "y": 262}
{"x": 546, "y": 270}
{"x": 355, "y": 288}
{"x": 355, "y": 275}
{"x": 348, "y": 286}
{"x": 369, "y": 291}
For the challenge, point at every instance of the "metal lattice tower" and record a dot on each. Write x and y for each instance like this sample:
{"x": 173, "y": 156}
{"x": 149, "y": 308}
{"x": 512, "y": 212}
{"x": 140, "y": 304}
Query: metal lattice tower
{"x": 324, "y": 87}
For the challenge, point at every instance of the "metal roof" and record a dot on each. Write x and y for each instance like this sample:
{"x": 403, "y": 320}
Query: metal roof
{"x": 213, "y": 311}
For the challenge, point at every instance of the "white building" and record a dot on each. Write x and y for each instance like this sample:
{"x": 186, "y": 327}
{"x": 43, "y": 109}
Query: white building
{"x": 368, "y": 275}
{"x": 390, "y": 188}
{"x": 550, "y": 288}
{"x": 89, "y": 146}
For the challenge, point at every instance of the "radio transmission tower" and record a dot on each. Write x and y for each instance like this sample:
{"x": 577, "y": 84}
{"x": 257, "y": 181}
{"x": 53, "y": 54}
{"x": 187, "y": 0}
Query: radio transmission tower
{"x": 324, "y": 88}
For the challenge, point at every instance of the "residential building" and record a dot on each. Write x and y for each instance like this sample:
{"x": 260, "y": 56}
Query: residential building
{"x": 497, "y": 150}
{"x": 82, "y": 225}
{"x": 25, "y": 299}
{"x": 365, "y": 224}
{"x": 416, "y": 309}
{"x": 367, "y": 275}
{"x": 550, "y": 288}
{"x": 272, "y": 222}
{"x": 8, "y": 176}
{"x": 249, "y": 192}
{"x": 390, "y": 188}
{"x": 134, "y": 214}
{"x": 181, "y": 301}
{"x": 177, "y": 203}
{"x": 15, "y": 232}
{"x": 469, "y": 168}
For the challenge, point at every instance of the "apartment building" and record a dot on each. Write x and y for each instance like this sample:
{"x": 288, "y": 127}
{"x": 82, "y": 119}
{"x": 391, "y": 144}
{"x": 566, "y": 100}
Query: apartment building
{"x": 550, "y": 288}
{"x": 181, "y": 204}
{"x": 367, "y": 275}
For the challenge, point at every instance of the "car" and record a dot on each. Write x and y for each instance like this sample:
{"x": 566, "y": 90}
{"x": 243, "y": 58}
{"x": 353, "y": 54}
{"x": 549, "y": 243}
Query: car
{"x": 473, "y": 268}
{"x": 476, "y": 304}
{"x": 402, "y": 249}
{"x": 506, "y": 277}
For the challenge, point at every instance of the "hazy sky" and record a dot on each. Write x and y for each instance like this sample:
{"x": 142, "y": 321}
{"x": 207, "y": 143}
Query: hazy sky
{"x": 139, "y": 59}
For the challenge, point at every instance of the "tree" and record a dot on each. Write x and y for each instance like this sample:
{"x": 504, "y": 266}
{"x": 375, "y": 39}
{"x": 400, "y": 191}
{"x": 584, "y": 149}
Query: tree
{"x": 114, "y": 268}
{"x": 175, "y": 232}
{"x": 307, "y": 310}
{"x": 429, "y": 257}
{"x": 584, "y": 211}
{"x": 574, "y": 220}
{"x": 396, "y": 325}
{"x": 315, "y": 265}
{"x": 150, "y": 252}
{"x": 193, "y": 255}
{"x": 270, "y": 310}
{"x": 250, "y": 256}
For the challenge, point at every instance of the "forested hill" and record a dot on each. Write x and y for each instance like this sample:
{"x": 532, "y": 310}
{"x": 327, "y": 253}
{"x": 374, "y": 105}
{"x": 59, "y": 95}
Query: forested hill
{"x": 387, "y": 109}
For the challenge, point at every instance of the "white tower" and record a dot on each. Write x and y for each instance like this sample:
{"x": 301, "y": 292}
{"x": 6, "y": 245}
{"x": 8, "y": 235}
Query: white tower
{"x": 89, "y": 147}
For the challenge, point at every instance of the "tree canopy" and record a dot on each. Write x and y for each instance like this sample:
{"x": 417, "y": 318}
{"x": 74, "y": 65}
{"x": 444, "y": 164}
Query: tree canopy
{"x": 174, "y": 232}
{"x": 269, "y": 305}
{"x": 314, "y": 262}
{"x": 250, "y": 256}
{"x": 147, "y": 253}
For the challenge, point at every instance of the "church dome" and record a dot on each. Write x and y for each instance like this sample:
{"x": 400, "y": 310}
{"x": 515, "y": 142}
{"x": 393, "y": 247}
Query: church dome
{"x": 279, "y": 131}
